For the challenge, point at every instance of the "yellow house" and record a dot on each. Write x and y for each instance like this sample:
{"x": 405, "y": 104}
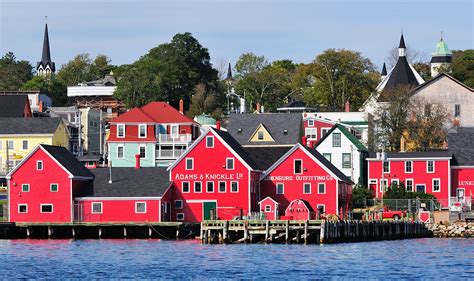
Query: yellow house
{"x": 18, "y": 136}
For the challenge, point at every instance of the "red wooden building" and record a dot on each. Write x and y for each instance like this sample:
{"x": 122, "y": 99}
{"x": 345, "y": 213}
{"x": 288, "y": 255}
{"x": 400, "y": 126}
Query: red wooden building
{"x": 299, "y": 210}
{"x": 269, "y": 207}
{"x": 42, "y": 186}
{"x": 214, "y": 178}
{"x": 428, "y": 171}
{"x": 303, "y": 173}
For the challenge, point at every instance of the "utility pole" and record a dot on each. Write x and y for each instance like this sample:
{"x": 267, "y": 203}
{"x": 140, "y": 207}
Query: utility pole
{"x": 80, "y": 132}
{"x": 100, "y": 134}
{"x": 7, "y": 163}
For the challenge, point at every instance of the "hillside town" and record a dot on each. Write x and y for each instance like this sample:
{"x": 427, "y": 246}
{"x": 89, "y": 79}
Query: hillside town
{"x": 104, "y": 158}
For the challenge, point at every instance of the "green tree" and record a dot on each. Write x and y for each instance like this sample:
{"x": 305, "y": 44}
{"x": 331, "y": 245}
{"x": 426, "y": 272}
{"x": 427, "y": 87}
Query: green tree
{"x": 250, "y": 63}
{"x": 136, "y": 88}
{"x": 13, "y": 73}
{"x": 83, "y": 69}
{"x": 54, "y": 88}
{"x": 360, "y": 195}
{"x": 463, "y": 66}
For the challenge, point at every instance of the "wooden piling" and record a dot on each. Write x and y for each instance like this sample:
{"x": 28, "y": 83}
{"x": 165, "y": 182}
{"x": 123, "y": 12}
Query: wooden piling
{"x": 287, "y": 231}
{"x": 306, "y": 231}
{"x": 267, "y": 230}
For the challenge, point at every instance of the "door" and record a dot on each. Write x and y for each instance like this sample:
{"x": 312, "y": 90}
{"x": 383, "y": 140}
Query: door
{"x": 208, "y": 209}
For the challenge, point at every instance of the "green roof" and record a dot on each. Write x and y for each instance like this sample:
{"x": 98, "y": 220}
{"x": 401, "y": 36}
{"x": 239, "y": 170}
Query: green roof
{"x": 355, "y": 122}
{"x": 346, "y": 132}
{"x": 442, "y": 49}
{"x": 205, "y": 119}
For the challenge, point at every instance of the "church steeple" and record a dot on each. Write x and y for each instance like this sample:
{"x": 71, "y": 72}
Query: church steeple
{"x": 401, "y": 47}
{"x": 441, "y": 58}
{"x": 46, "y": 66}
{"x": 229, "y": 72}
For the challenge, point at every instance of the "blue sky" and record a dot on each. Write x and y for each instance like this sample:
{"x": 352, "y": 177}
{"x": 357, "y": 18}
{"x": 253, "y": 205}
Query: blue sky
{"x": 296, "y": 30}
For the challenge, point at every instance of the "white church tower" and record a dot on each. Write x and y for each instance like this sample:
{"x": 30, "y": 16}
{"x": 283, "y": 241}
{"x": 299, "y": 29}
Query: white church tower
{"x": 441, "y": 58}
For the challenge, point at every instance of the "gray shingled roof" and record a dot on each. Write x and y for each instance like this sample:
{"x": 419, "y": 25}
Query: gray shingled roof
{"x": 12, "y": 105}
{"x": 461, "y": 144}
{"x": 266, "y": 156}
{"x": 236, "y": 147}
{"x": 69, "y": 161}
{"x": 20, "y": 126}
{"x": 276, "y": 124}
{"x": 130, "y": 182}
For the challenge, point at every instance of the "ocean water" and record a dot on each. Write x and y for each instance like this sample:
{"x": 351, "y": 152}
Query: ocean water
{"x": 402, "y": 259}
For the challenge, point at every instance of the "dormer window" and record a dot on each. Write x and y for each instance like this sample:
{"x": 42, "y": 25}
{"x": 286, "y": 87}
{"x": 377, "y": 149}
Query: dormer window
{"x": 260, "y": 135}
{"x": 142, "y": 131}
{"x": 310, "y": 123}
{"x": 39, "y": 165}
{"x": 239, "y": 131}
{"x": 209, "y": 142}
{"x": 120, "y": 130}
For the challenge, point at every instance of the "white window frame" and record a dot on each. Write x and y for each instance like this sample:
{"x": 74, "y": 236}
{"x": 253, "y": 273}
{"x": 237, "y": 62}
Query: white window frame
{"x": 207, "y": 141}
{"x": 46, "y": 204}
{"x": 219, "y": 187}
{"x": 349, "y": 162}
{"x": 409, "y": 172}
{"x": 412, "y": 185}
{"x": 101, "y": 207}
{"x": 304, "y": 188}
{"x": 385, "y": 181}
{"x": 51, "y": 187}
{"x": 268, "y": 208}
{"x": 340, "y": 139}
{"x": 231, "y": 186}
{"x": 324, "y": 207}
{"x": 180, "y": 216}
{"x": 23, "y": 144}
{"x": 311, "y": 133}
{"x": 282, "y": 188}
{"x": 139, "y": 150}
{"x": 427, "y": 166}
{"x": 118, "y": 131}
{"x": 186, "y": 163}
{"x": 136, "y": 208}
{"x": 207, "y": 187}
{"x": 294, "y": 167}
{"x": 123, "y": 152}
{"x": 194, "y": 187}
{"x": 182, "y": 186}
{"x": 439, "y": 185}
{"x": 324, "y": 131}
{"x": 25, "y": 184}
{"x": 383, "y": 166}
{"x": 227, "y": 163}
{"x": 174, "y": 135}
{"x": 23, "y": 204}
{"x": 140, "y": 126}
{"x": 310, "y": 122}
{"x": 322, "y": 184}
{"x": 42, "y": 166}
{"x": 175, "y": 204}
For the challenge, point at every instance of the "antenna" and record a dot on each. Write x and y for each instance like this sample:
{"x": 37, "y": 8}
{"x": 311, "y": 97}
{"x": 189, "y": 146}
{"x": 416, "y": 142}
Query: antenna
{"x": 441, "y": 34}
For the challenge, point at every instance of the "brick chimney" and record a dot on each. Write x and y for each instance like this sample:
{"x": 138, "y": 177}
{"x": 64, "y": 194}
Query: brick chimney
{"x": 347, "y": 106}
{"x": 181, "y": 106}
{"x": 137, "y": 161}
{"x": 258, "y": 107}
{"x": 218, "y": 124}
{"x": 41, "y": 106}
{"x": 304, "y": 140}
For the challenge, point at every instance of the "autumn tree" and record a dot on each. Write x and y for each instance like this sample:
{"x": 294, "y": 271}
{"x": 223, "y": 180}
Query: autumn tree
{"x": 204, "y": 102}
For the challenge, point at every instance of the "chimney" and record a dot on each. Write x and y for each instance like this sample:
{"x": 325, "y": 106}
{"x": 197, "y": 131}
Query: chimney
{"x": 218, "y": 124}
{"x": 347, "y": 107}
{"x": 137, "y": 161}
{"x": 402, "y": 144}
{"x": 258, "y": 107}
{"x": 181, "y": 106}
{"x": 304, "y": 140}
{"x": 445, "y": 145}
{"x": 41, "y": 106}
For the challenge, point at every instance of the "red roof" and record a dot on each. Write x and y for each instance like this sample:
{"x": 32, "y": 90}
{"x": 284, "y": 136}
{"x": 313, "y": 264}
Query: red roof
{"x": 156, "y": 111}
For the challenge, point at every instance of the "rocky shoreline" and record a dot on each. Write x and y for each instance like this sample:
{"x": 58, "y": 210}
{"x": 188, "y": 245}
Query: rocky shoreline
{"x": 456, "y": 229}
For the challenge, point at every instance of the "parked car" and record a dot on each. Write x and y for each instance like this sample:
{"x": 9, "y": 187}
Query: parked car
{"x": 390, "y": 214}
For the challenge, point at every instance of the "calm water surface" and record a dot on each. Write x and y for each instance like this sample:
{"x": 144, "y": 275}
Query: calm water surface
{"x": 417, "y": 258}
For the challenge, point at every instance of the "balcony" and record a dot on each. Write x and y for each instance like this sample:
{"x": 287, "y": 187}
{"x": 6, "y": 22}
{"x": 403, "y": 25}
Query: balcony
{"x": 174, "y": 139}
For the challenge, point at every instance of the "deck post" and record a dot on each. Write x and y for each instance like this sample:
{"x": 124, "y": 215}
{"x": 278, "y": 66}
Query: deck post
{"x": 73, "y": 233}
{"x": 149, "y": 232}
{"x": 306, "y": 231}
{"x": 246, "y": 231}
{"x": 204, "y": 236}
{"x": 225, "y": 231}
{"x": 28, "y": 232}
{"x": 267, "y": 230}
{"x": 298, "y": 236}
{"x": 50, "y": 231}
{"x": 100, "y": 232}
{"x": 287, "y": 231}
{"x": 124, "y": 232}
{"x": 321, "y": 231}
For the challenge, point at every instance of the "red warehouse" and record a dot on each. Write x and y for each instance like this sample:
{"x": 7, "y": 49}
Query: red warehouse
{"x": 42, "y": 186}
{"x": 428, "y": 172}
{"x": 125, "y": 195}
{"x": 214, "y": 176}
{"x": 461, "y": 144}
{"x": 303, "y": 173}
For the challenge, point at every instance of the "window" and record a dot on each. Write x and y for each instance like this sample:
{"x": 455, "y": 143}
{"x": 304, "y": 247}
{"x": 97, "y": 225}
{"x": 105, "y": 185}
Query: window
{"x": 25, "y": 145}
{"x": 311, "y": 133}
{"x": 180, "y": 216}
{"x": 46, "y": 208}
{"x": 307, "y": 188}
{"x": 420, "y": 188}
{"x": 321, "y": 208}
{"x": 119, "y": 152}
{"x": 210, "y": 186}
{"x": 96, "y": 207}
{"x": 409, "y": 185}
{"x": 53, "y": 187}
{"x": 383, "y": 185}
{"x": 197, "y": 187}
{"x": 430, "y": 168}
{"x": 25, "y": 187}
{"x": 142, "y": 152}
{"x": 457, "y": 110}
{"x": 346, "y": 160}
{"x": 327, "y": 156}
{"x": 298, "y": 166}
{"x": 39, "y": 165}
{"x": 1, "y": 142}
{"x": 140, "y": 207}
{"x": 310, "y": 123}
{"x": 321, "y": 188}
{"x": 22, "y": 208}
{"x": 336, "y": 140}
{"x": 209, "y": 141}
{"x": 394, "y": 182}
{"x": 178, "y": 204}
{"x": 324, "y": 131}
{"x": 386, "y": 167}
{"x": 408, "y": 166}
{"x": 280, "y": 188}
{"x": 268, "y": 208}
{"x": 142, "y": 131}
{"x": 189, "y": 163}
{"x": 174, "y": 131}
{"x": 185, "y": 186}
{"x": 436, "y": 185}
{"x": 120, "y": 130}
{"x": 234, "y": 186}
{"x": 222, "y": 186}
{"x": 229, "y": 163}
{"x": 358, "y": 134}
{"x": 10, "y": 144}
{"x": 260, "y": 135}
